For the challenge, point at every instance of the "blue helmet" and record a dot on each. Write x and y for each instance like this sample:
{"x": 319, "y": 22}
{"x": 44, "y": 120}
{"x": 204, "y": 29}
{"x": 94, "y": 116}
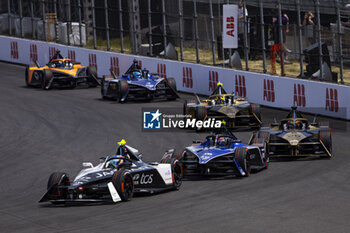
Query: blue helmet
{"x": 137, "y": 74}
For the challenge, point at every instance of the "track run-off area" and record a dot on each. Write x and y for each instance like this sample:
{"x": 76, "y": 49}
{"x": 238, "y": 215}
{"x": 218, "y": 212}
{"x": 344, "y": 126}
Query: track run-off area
{"x": 47, "y": 131}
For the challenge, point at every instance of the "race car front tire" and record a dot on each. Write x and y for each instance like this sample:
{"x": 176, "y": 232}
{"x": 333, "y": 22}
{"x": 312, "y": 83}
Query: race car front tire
{"x": 46, "y": 77}
{"x": 326, "y": 138}
{"x": 177, "y": 173}
{"x": 124, "y": 184}
{"x": 172, "y": 84}
{"x": 241, "y": 157}
{"x": 55, "y": 179}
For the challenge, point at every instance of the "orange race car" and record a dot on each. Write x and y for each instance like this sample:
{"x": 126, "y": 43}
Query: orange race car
{"x": 60, "y": 71}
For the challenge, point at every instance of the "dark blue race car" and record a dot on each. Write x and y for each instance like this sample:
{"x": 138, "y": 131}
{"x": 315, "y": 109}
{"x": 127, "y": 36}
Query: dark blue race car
{"x": 138, "y": 83}
{"x": 221, "y": 154}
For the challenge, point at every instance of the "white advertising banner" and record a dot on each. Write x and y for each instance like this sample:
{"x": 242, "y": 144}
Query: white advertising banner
{"x": 280, "y": 92}
{"x": 230, "y": 26}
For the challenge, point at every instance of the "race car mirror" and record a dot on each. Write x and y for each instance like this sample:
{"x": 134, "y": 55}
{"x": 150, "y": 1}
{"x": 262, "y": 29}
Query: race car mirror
{"x": 86, "y": 164}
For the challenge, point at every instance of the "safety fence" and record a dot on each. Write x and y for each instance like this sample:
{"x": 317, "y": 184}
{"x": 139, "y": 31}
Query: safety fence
{"x": 309, "y": 96}
{"x": 311, "y": 32}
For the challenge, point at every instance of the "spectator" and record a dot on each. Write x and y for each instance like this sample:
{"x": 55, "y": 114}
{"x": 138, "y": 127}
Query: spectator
{"x": 309, "y": 24}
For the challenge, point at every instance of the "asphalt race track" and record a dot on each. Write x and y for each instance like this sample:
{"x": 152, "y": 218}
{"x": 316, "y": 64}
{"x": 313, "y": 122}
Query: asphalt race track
{"x": 57, "y": 130}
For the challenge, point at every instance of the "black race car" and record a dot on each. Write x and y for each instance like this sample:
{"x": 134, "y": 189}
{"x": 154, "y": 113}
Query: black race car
{"x": 115, "y": 179}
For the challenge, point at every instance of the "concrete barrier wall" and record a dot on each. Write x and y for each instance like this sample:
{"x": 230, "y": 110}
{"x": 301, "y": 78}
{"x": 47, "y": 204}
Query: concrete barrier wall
{"x": 280, "y": 92}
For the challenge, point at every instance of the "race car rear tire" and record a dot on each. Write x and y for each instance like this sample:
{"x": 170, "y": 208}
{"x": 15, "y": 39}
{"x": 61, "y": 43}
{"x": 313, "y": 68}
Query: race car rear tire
{"x": 255, "y": 108}
{"x": 326, "y": 137}
{"x": 102, "y": 87}
{"x": 58, "y": 178}
{"x": 27, "y": 76}
{"x": 201, "y": 113}
{"x": 45, "y": 80}
{"x": 172, "y": 84}
{"x": 124, "y": 184}
{"x": 241, "y": 157}
{"x": 92, "y": 76}
{"x": 185, "y": 108}
{"x": 123, "y": 89}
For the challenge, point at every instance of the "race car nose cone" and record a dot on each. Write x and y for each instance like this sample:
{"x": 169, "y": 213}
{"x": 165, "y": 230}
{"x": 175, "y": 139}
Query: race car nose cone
{"x": 294, "y": 142}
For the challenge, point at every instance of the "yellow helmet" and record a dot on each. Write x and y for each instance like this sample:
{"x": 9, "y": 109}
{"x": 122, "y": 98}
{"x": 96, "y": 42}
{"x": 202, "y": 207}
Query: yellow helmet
{"x": 219, "y": 84}
{"x": 122, "y": 142}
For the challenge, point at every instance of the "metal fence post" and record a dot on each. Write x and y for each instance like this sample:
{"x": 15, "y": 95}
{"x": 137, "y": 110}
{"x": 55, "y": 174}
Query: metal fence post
{"x": 9, "y": 16}
{"x": 195, "y": 17}
{"x": 245, "y": 31}
{"x": 212, "y": 31}
{"x": 300, "y": 39}
{"x": 44, "y": 19}
{"x": 340, "y": 46}
{"x": 281, "y": 44}
{"x": 181, "y": 30}
{"x": 121, "y": 30}
{"x": 164, "y": 28}
{"x": 262, "y": 28}
{"x": 221, "y": 29}
{"x": 69, "y": 24}
{"x": 107, "y": 26}
{"x": 21, "y": 18}
{"x": 150, "y": 28}
{"x": 93, "y": 22}
{"x": 79, "y": 16}
{"x": 32, "y": 16}
{"x": 319, "y": 37}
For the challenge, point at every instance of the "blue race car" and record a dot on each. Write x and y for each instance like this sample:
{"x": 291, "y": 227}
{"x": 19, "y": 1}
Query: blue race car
{"x": 138, "y": 84}
{"x": 221, "y": 154}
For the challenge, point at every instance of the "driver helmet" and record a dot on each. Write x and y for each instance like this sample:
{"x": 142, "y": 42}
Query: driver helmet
{"x": 137, "y": 74}
{"x": 222, "y": 141}
{"x": 298, "y": 125}
{"x": 116, "y": 162}
{"x": 220, "y": 100}
{"x": 59, "y": 64}
{"x": 290, "y": 125}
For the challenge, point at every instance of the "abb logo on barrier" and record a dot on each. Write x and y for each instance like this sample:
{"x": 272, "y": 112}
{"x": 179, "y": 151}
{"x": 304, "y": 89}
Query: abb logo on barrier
{"x": 299, "y": 98}
{"x": 240, "y": 90}
{"x": 115, "y": 65}
{"x": 187, "y": 80}
{"x": 71, "y": 55}
{"x": 52, "y": 52}
{"x": 332, "y": 104}
{"x": 269, "y": 90}
{"x": 230, "y": 26}
{"x": 161, "y": 70}
{"x": 14, "y": 50}
{"x": 213, "y": 80}
{"x": 92, "y": 60}
{"x": 33, "y": 52}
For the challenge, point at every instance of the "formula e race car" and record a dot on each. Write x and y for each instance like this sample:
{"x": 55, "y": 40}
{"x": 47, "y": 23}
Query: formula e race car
{"x": 237, "y": 112}
{"x": 60, "y": 71}
{"x": 137, "y": 84}
{"x": 221, "y": 154}
{"x": 115, "y": 179}
{"x": 294, "y": 136}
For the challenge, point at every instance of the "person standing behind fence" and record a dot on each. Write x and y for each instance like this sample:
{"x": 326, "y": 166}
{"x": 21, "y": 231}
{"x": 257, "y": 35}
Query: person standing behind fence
{"x": 241, "y": 14}
{"x": 278, "y": 47}
{"x": 309, "y": 24}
